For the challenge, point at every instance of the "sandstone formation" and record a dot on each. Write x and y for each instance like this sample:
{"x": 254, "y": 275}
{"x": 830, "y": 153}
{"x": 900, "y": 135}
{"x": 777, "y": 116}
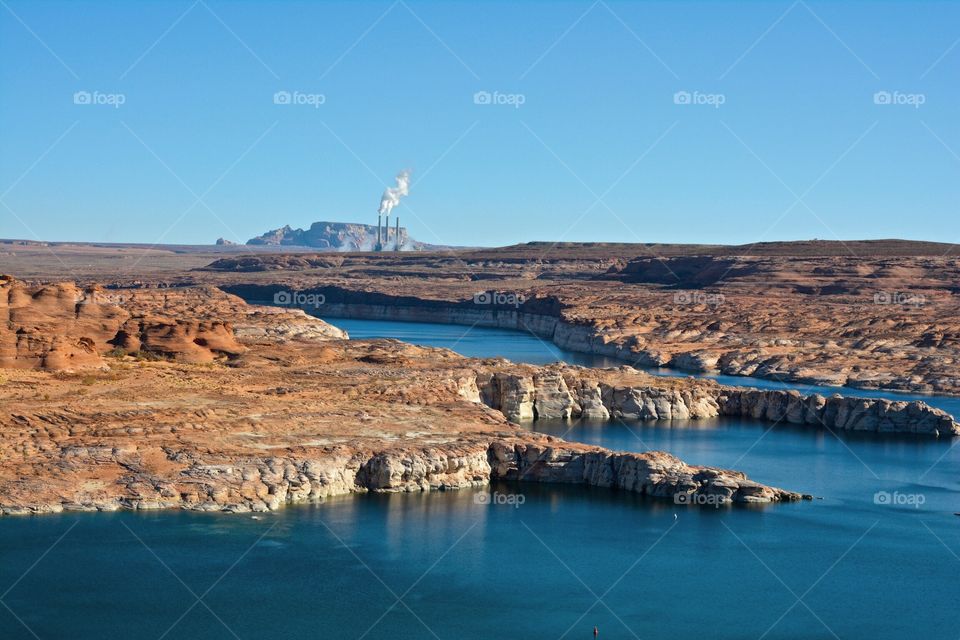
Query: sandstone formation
{"x": 653, "y": 474}
{"x": 558, "y": 391}
{"x": 871, "y": 322}
{"x": 838, "y": 412}
{"x": 146, "y": 396}
{"x": 288, "y": 415}
{"x": 868, "y": 314}
{"x": 51, "y": 327}
{"x": 62, "y": 327}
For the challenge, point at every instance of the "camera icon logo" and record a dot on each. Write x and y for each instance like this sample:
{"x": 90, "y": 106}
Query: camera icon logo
{"x": 882, "y": 97}
{"x": 482, "y": 97}
{"x": 281, "y": 97}
{"x": 881, "y": 497}
{"x": 482, "y": 297}
{"x": 282, "y": 297}
{"x": 82, "y": 97}
{"x": 681, "y": 97}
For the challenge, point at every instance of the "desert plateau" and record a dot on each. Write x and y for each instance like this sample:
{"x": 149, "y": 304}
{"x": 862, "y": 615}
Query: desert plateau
{"x": 178, "y": 392}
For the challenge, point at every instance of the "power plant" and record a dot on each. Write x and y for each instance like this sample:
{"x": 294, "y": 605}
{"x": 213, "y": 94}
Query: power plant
{"x": 383, "y": 235}
{"x": 391, "y": 198}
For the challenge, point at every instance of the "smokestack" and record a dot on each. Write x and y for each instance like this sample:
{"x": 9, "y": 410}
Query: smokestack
{"x": 391, "y": 198}
{"x": 398, "y": 234}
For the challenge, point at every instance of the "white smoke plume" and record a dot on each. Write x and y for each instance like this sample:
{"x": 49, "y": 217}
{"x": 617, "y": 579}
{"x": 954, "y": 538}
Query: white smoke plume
{"x": 391, "y": 195}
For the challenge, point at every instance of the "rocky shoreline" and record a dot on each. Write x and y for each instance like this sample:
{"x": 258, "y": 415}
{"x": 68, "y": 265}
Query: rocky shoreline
{"x": 545, "y": 318}
{"x": 801, "y": 312}
{"x": 561, "y": 392}
{"x": 267, "y": 484}
{"x": 191, "y": 399}
{"x": 276, "y": 407}
{"x": 848, "y": 413}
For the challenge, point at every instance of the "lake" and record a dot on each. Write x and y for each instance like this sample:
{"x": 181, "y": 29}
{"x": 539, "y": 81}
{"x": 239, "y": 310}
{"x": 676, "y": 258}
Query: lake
{"x": 520, "y": 346}
{"x": 875, "y": 557}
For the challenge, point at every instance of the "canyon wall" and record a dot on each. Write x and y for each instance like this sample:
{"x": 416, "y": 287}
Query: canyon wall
{"x": 558, "y": 392}
{"x": 552, "y": 394}
{"x": 268, "y": 483}
{"x": 541, "y": 316}
{"x": 869, "y": 336}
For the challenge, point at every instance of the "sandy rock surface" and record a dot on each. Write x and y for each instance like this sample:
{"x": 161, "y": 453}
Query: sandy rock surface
{"x": 866, "y": 321}
{"x": 264, "y": 422}
{"x": 62, "y": 327}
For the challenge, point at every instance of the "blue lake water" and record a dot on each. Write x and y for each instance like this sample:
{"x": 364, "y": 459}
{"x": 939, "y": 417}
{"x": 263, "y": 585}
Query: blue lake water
{"x": 877, "y": 557}
{"x": 519, "y": 346}
{"x": 474, "y": 342}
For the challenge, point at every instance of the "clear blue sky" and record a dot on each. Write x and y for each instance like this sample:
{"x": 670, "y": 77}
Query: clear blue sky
{"x": 798, "y": 126}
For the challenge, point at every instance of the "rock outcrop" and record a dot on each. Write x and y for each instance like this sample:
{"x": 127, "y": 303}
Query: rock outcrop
{"x": 292, "y": 413}
{"x": 558, "y": 391}
{"x": 654, "y": 474}
{"x": 53, "y": 328}
{"x": 62, "y": 327}
{"x": 847, "y": 413}
{"x": 269, "y": 483}
{"x": 337, "y": 236}
{"x": 808, "y": 313}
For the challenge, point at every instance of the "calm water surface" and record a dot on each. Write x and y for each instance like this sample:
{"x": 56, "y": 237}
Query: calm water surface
{"x": 519, "y": 346}
{"x": 876, "y": 557}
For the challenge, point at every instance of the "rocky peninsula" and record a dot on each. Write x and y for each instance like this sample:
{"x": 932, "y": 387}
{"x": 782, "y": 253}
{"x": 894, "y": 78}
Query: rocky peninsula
{"x": 189, "y": 397}
{"x": 139, "y": 400}
{"x": 559, "y": 391}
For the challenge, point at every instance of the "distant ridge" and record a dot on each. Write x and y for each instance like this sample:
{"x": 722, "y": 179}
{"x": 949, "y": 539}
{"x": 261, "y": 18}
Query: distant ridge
{"x": 797, "y": 248}
{"x": 338, "y": 236}
{"x": 282, "y": 241}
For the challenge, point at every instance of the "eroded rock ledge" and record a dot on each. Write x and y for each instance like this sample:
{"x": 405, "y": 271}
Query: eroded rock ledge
{"x": 738, "y": 328}
{"x": 289, "y": 413}
{"x": 292, "y": 412}
{"x": 265, "y": 484}
{"x": 574, "y": 392}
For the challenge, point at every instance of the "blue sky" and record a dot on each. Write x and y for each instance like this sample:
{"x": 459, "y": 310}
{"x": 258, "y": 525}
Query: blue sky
{"x": 599, "y": 149}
